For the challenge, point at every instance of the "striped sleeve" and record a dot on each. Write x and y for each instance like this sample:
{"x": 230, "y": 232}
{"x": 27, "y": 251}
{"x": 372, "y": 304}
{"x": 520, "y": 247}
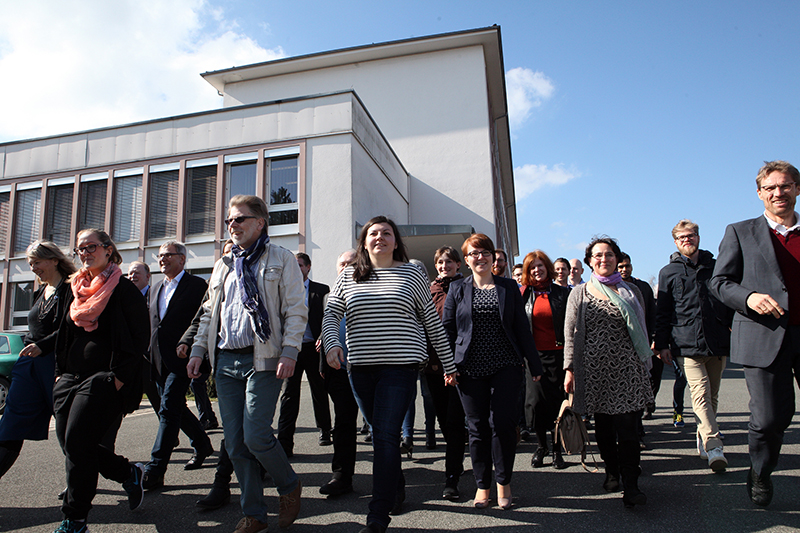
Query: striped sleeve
{"x": 387, "y": 318}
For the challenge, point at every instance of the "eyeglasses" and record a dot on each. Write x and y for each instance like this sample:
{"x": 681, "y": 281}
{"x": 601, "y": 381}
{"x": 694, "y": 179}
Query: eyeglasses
{"x": 88, "y": 249}
{"x": 238, "y": 220}
{"x": 688, "y": 237}
{"x": 784, "y": 187}
{"x": 166, "y": 255}
{"x": 607, "y": 255}
{"x": 482, "y": 253}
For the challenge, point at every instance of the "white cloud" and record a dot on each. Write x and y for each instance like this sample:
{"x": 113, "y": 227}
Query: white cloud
{"x": 526, "y": 90}
{"x": 528, "y": 178}
{"x": 70, "y": 66}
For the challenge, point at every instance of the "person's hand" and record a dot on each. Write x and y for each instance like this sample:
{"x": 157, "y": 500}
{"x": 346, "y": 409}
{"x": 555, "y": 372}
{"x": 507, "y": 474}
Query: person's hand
{"x": 665, "y": 355}
{"x": 450, "y": 379}
{"x": 30, "y": 350}
{"x": 193, "y": 367}
{"x": 117, "y": 383}
{"x": 763, "y": 304}
{"x": 335, "y": 358}
{"x": 569, "y": 381}
{"x": 285, "y": 368}
{"x": 537, "y": 378}
{"x": 182, "y": 351}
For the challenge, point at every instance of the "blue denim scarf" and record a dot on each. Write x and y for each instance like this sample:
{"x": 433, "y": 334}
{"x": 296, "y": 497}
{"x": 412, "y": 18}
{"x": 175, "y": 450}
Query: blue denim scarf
{"x": 243, "y": 261}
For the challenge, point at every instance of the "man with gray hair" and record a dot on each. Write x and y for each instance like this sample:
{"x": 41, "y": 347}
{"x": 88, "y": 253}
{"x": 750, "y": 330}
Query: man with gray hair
{"x": 173, "y": 303}
{"x": 251, "y": 331}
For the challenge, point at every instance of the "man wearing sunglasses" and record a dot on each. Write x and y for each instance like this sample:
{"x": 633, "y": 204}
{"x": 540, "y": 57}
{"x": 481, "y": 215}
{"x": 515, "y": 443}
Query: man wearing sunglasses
{"x": 252, "y": 331}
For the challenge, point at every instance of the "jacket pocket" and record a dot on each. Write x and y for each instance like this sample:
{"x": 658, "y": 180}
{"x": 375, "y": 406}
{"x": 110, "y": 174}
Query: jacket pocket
{"x": 273, "y": 273}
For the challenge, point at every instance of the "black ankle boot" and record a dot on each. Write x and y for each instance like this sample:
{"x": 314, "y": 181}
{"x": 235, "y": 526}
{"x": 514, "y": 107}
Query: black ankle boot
{"x": 630, "y": 483}
{"x": 7, "y": 458}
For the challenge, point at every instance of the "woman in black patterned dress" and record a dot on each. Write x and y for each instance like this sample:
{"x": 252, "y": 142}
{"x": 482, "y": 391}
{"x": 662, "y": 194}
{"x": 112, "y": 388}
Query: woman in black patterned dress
{"x": 605, "y": 350}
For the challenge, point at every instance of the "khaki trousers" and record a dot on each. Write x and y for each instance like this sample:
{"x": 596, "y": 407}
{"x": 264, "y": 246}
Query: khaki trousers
{"x": 704, "y": 374}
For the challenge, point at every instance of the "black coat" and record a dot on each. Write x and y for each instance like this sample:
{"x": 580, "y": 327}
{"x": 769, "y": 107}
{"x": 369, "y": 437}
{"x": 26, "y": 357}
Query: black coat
{"x": 558, "y": 306}
{"x": 457, "y": 320}
{"x": 165, "y": 333}
{"x": 689, "y": 319}
{"x": 125, "y": 320}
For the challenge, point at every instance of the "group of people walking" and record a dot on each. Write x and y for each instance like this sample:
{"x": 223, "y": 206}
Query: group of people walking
{"x": 496, "y": 354}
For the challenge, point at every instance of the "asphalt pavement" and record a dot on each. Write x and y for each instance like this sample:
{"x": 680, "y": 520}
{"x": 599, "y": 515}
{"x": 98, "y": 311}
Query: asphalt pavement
{"x": 683, "y": 494}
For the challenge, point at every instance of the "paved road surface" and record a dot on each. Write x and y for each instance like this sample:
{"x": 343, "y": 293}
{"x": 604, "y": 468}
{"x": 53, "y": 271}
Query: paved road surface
{"x": 683, "y": 494}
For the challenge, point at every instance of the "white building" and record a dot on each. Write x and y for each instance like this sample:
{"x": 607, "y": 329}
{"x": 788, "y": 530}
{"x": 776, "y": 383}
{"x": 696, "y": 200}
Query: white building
{"x": 416, "y": 130}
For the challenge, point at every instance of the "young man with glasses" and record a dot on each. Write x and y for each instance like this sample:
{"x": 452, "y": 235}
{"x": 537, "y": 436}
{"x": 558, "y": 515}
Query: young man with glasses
{"x": 692, "y": 326}
{"x": 757, "y": 275}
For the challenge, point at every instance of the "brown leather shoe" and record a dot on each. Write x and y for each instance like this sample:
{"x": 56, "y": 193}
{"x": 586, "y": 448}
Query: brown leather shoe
{"x": 248, "y": 524}
{"x": 290, "y": 506}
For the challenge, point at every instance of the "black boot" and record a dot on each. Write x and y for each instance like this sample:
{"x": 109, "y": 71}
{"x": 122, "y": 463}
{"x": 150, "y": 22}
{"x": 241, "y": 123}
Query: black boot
{"x": 219, "y": 496}
{"x": 537, "y": 461}
{"x": 9, "y": 452}
{"x": 611, "y": 484}
{"x": 630, "y": 483}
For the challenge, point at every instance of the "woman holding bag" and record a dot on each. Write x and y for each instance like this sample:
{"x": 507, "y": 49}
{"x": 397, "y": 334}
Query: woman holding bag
{"x": 605, "y": 348}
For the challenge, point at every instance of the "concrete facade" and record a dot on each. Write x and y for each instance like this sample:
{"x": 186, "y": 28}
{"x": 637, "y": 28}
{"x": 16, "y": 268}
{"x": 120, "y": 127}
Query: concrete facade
{"x": 415, "y": 130}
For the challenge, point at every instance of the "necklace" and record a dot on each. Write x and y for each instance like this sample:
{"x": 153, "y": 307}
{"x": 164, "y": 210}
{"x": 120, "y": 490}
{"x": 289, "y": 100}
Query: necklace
{"x": 47, "y": 304}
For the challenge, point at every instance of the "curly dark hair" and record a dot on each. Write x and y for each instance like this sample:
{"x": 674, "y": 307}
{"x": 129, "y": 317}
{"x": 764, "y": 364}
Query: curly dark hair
{"x": 602, "y": 239}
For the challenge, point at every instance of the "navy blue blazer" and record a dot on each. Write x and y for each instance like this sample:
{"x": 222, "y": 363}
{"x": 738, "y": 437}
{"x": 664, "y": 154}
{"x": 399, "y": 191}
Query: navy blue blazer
{"x": 457, "y": 320}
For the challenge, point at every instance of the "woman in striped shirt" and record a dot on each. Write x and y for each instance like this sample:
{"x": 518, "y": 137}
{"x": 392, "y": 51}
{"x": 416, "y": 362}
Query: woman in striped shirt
{"x": 389, "y": 312}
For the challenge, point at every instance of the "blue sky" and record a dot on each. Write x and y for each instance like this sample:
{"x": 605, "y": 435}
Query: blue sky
{"x": 638, "y": 113}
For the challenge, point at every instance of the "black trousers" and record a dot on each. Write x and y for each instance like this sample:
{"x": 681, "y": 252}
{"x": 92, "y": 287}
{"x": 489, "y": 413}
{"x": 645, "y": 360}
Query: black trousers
{"x": 85, "y": 408}
{"x": 618, "y": 441}
{"x": 450, "y": 414}
{"x": 491, "y": 404}
{"x": 308, "y": 361}
{"x": 772, "y": 403}
{"x": 345, "y": 427}
{"x": 548, "y": 395}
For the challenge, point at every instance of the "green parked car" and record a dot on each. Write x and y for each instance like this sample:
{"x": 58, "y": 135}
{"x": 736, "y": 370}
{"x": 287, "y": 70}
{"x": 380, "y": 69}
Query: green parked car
{"x": 10, "y": 346}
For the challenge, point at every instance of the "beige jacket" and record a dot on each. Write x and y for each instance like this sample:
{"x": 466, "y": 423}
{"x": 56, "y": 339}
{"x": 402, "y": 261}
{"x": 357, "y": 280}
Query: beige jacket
{"x": 280, "y": 284}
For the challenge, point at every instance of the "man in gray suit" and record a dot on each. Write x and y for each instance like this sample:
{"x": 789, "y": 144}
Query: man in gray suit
{"x": 757, "y": 276}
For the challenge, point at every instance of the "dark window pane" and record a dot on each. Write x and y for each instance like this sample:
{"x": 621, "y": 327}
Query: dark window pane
{"x": 27, "y": 217}
{"x": 59, "y": 214}
{"x": 283, "y": 181}
{"x": 5, "y": 210}
{"x": 201, "y": 183}
{"x": 127, "y": 208}
{"x": 283, "y": 217}
{"x": 163, "y": 205}
{"x": 92, "y": 212}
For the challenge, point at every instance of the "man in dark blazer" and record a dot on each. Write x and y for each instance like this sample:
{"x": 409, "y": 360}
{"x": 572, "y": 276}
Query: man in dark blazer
{"x": 757, "y": 276}
{"x": 308, "y": 361}
{"x": 173, "y": 303}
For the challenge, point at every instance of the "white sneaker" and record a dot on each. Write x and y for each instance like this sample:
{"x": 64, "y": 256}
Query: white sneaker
{"x": 716, "y": 459}
{"x": 701, "y": 450}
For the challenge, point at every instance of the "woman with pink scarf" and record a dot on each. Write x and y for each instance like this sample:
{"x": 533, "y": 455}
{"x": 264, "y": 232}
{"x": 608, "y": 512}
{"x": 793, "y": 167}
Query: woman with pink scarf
{"x": 99, "y": 353}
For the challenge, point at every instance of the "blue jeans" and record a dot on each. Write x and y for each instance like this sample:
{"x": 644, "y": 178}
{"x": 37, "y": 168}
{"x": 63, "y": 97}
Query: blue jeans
{"x": 384, "y": 392}
{"x": 173, "y": 415}
{"x": 247, "y": 401}
{"x": 200, "y": 389}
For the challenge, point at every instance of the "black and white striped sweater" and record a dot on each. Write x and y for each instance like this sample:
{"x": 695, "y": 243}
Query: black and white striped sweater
{"x": 388, "y": 317}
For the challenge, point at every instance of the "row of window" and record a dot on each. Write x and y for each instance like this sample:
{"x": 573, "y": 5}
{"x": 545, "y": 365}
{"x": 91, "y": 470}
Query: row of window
{"x": 239, "y": 172}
